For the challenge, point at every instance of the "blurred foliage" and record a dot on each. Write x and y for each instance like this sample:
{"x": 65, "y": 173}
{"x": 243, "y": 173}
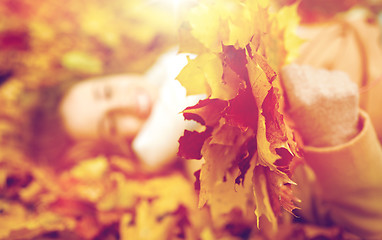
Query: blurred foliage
{"x": 316, "y": 11}
{"x": 45, "y": 42}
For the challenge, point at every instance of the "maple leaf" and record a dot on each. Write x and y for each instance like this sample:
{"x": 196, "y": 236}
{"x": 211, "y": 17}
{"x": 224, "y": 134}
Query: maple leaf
{"x": 192, "y": 151}
{"x": 206, "y": 112}
{"x": 272, "y": 192}
{"x": 217, "y": 182}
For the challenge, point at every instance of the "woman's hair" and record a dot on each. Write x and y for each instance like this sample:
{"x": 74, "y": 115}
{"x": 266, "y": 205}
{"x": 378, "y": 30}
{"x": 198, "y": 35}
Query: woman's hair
{"x": 46, "y": 137}
{"x": 48, "y": 140}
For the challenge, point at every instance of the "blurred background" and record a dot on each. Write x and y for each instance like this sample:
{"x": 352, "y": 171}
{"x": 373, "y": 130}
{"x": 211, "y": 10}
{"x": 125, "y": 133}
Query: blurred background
{"x": 45, "y": 42}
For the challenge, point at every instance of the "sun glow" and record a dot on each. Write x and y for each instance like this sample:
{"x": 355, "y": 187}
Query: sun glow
{"x": 175, "y": 6}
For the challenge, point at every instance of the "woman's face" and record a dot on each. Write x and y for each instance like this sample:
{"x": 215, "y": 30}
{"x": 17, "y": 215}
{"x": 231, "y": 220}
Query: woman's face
{"x": 110, "y": 107}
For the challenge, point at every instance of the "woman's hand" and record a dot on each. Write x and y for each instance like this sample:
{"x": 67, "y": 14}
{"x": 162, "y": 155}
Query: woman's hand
{"x": 323, "y": 104}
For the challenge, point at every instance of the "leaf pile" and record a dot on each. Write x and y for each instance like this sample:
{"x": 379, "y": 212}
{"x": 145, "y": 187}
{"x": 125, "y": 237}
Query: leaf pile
{"x": 99, "y": 198}
{"x": 247, "y": 148}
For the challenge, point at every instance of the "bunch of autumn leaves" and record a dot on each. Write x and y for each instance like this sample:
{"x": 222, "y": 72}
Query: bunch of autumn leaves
{"x": 247, "y": 148}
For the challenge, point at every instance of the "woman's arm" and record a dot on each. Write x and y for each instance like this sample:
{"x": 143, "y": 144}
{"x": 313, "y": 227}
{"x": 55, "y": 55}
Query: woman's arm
{"x": 341, "y": 148}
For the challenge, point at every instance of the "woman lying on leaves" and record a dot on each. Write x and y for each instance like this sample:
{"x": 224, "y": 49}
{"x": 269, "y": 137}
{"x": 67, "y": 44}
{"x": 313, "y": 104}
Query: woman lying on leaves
{"x": 131, "y": 191}
{"x": 117, "y": 114}
{"x": 100, "y": 161}
{"x": 113, "y": 177}
{"x": 102, "y": 164}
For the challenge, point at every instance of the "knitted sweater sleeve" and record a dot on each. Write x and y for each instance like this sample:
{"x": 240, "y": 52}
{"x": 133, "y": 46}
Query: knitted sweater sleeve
{"x": 347, "y": 184}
